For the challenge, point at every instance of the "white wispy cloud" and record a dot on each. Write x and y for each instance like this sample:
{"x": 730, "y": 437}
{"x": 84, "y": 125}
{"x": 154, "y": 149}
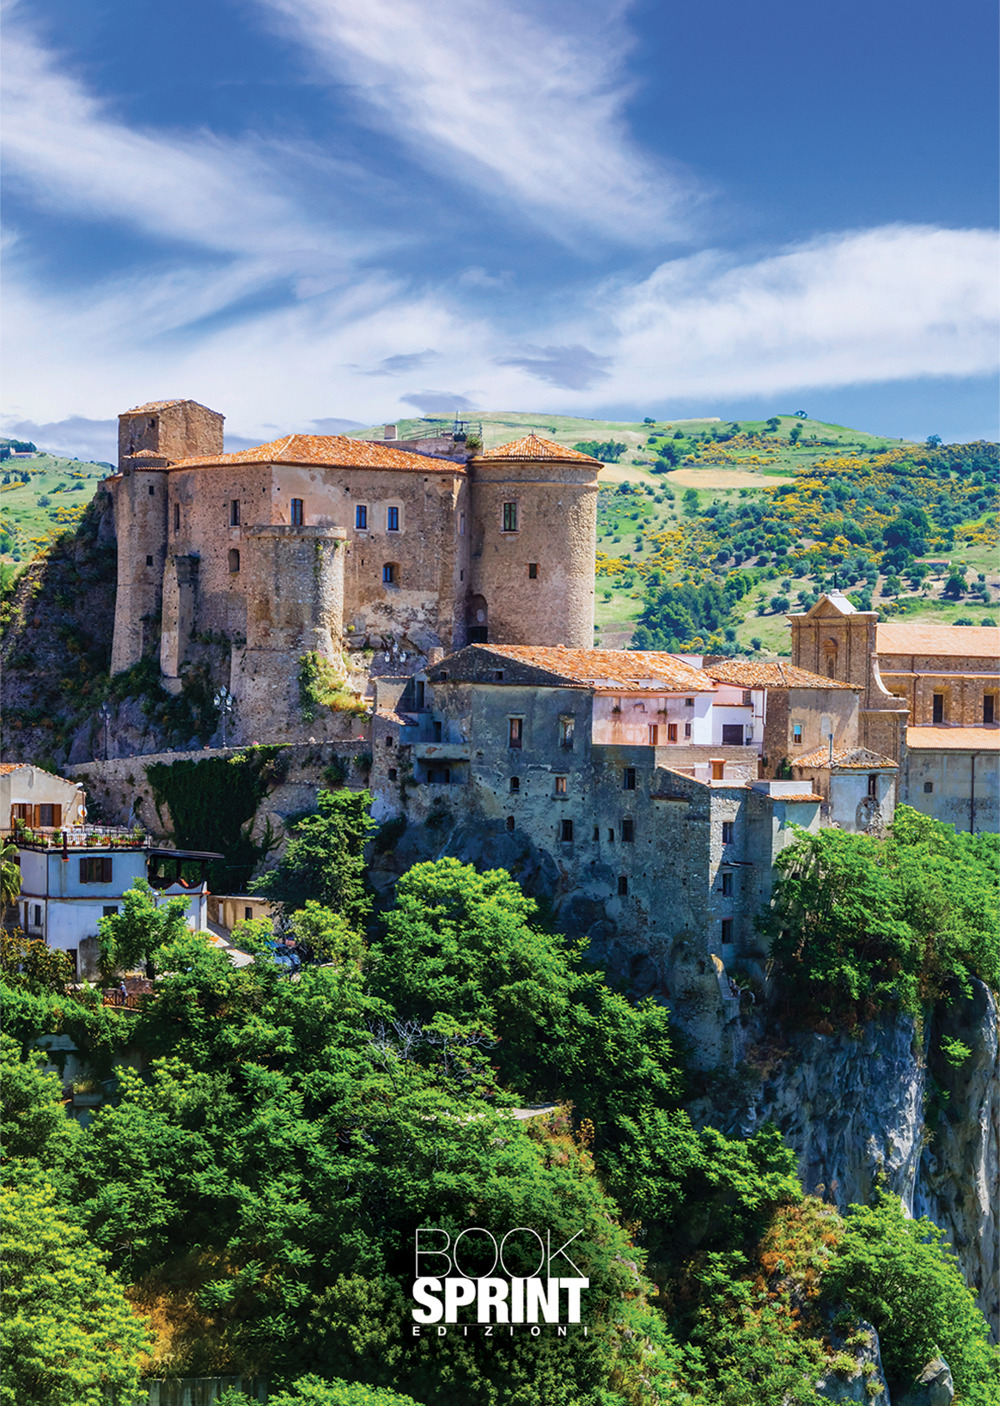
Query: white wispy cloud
{"x": 874, "y": 305}
{"x": 524, "y": 102}
{"x": 63, "y": 147}
{"x": 879, "y": 305}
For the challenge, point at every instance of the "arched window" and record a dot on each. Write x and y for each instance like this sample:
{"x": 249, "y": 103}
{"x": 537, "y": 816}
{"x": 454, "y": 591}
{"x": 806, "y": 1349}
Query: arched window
{"x": 390, "y": 573}
{"x": 234, "y": 560}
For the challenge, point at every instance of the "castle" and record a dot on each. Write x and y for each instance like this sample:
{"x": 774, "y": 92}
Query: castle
{"x": 314, "y": 543}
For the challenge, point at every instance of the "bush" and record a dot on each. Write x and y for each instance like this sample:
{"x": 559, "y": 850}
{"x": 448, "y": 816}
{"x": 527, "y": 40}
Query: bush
{"x": 897, "y": 1274}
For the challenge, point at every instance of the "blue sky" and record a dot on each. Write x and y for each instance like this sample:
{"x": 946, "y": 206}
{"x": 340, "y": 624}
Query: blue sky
{"x": 308, "y": 212}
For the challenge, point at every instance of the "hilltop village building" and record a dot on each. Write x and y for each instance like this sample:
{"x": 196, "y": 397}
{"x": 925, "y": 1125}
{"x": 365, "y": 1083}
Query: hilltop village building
{"x": 930, "y": 700}
{"x": 314, "y": 543}
{"x": 624, "y": 776}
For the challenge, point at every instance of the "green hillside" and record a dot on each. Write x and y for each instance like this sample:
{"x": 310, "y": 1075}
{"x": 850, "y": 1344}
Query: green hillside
{"x": 41, "y": 497}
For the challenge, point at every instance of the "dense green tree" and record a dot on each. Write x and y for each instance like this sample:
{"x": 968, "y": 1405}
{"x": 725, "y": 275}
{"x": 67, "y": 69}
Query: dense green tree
{"x": 30, "y": 964}
{"x": 130, "y": 938}
{"x": 69, "y": 1336}
{"x": 324, "y": 859}
{"x": 859, "y": 924}
{"x": 38, "y": 1140}
{"x": 897, "y": 1273}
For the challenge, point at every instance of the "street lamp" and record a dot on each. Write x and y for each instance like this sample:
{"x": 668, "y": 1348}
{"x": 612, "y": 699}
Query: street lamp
{"x": 224, "y": 701}
{"x": 106, "y": 715}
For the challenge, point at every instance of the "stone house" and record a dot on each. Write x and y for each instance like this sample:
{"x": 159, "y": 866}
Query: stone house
{"x": 785, "y": 711}
{"x": 38, "y": 800}
{"x": 314, "y": 543}
{"x": 930, "y": 701}
{"x": 656, "y": 845}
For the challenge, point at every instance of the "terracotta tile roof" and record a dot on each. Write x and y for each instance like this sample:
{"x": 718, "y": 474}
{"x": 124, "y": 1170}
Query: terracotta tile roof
{"x": 7, "y": 767}
{"x": 846, "y": 759}
{"x": 532, "y": 446}
{"x": 953, "y": 739}
{"x": 744, "y": 673}
{"x": 335, "y": 450}
{"x": 970, "y": 641}
{"x": 619, "y": 669}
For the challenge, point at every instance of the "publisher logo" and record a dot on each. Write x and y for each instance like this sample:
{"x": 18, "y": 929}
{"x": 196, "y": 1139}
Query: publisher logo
{"x": 526, "y": 1277}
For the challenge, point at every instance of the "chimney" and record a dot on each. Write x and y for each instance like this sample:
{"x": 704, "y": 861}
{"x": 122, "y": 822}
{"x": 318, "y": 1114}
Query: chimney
{"x": 390, "y": 432}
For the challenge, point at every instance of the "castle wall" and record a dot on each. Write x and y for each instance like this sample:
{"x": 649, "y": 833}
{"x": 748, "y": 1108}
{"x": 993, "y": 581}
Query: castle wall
{"x": 140, "y": 499}
{"x": 180, "y": 429}
{"x": 295, "y": 606}
{"x": 556, "y": 531}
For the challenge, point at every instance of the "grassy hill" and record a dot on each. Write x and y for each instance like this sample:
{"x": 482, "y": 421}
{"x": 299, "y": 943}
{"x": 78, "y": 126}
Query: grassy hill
{"x": 41, "y": 497}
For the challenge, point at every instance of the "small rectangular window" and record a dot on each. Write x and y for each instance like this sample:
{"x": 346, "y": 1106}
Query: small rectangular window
{"x": 622, "y": 885}
{"x": 152, "y": 491}
{"x": 418, "y": 694}
{"x": 532, "y": 570}
{"x": 110, "y": 911}
{"x": 510, "y": 517}
{"x": 797, "y": 734}
{"x": 928, "y": 787}
{"x": 727, "y": 883}
{"x": 989, "y": 707}
{"x": 566, "y": 831}
{"x": 937, "y": 705}
{"x": 689, "y": 702}
{"x": 515, "y": 785}
{"x": 873, "y": 786}
{"x": 149, "y": 559}
{"x": 438, "y": 729}
{"x": 234, "y": 512}
{"x": 628, "y": 779}
{"x": 461, "y": 524}
{"x": 361, "y": 516}
{"x": 567, "y": 727}
{"x": 392, "y": 773}
{"x": 653, "y": 733}
{"x": 671, "y": 732}
{"x": 611, "y": 835}
{"x": 628, "y": 830}
{"x": 247, "y": 915}
{"x": 390, "y": 574}
{"x": 515, "y": 731}
{"x": 727, "y": 930}
{"x": 38, "y": 915}
{"x": 498, "y": 676}
{"x": 177, "y": 517}
{"x": 732, "y": 734}
{"x": 392, "y": 520}
{"x": 728, "y": 830}
{"x": 298, "y": 517}
{"x": 747, "y": 698}
{"x": 687, "y": 729}
{"x": 597, "y": 832}
{"x": 49, "y": 816}
{"x": 718, "y": 769}
{"x": 95, "y": 870}
{"x": 560, "y": 785}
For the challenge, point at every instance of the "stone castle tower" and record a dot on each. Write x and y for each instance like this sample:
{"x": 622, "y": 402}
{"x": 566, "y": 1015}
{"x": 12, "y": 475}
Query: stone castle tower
{"x": 321, "y": 543}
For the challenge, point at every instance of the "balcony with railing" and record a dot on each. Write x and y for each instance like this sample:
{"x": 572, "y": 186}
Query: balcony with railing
{"x": 76, "y": 837}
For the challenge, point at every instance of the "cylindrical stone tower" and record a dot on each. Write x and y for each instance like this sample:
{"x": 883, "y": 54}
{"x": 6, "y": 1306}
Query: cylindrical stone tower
{"x": 534, "y": 535}
{"x": 295, "y": 606}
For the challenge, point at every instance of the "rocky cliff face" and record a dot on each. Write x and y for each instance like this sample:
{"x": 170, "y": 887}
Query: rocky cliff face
{"x": 887, "y": 1102}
